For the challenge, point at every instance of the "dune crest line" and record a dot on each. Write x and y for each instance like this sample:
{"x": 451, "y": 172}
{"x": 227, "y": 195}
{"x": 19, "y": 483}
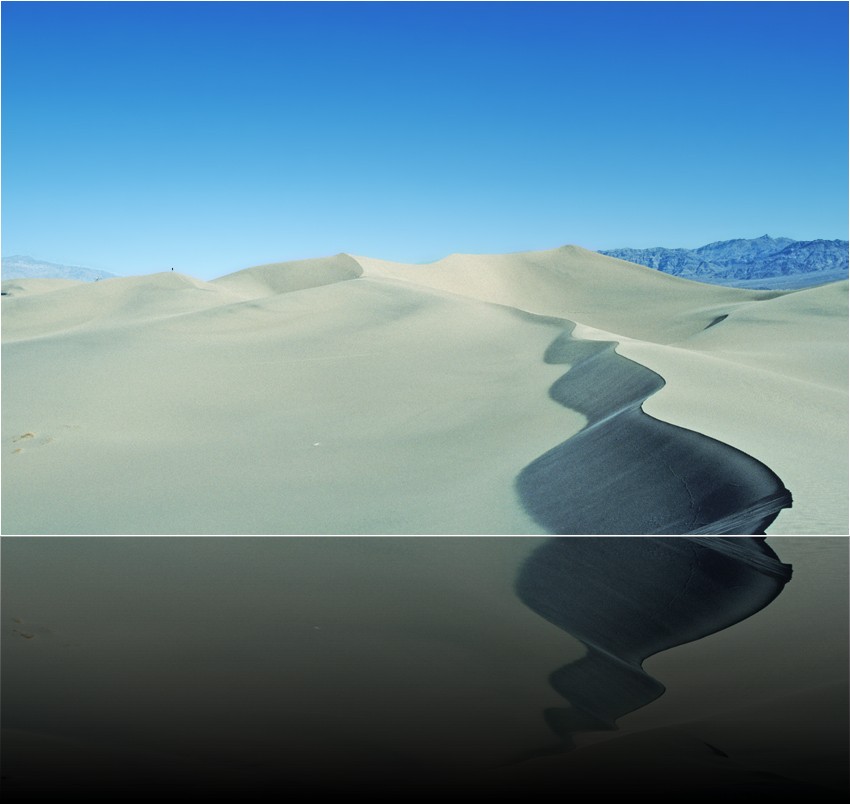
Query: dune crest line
{"x": 626, "y": 472}
{"x": 628, "y": 599}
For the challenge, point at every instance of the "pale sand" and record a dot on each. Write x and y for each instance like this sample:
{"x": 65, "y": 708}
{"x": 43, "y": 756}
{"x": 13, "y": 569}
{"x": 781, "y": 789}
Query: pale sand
{"x": 353, "y": 395}
{"x": 357, "y": 407}
{"x": 386, "y": 662}
{"x": 771, "y": 379}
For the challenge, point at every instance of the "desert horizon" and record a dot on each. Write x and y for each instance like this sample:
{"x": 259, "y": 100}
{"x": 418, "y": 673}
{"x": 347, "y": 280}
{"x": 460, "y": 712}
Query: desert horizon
{"x": 480, "y": 394}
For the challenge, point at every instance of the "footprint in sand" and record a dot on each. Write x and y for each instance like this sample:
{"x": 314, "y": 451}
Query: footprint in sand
{"x": 22, "y": 437}
{"x": 38, "y": 440}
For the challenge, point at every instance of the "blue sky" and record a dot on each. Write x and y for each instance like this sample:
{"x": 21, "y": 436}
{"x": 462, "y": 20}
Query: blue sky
{"x": 215, "y": 136}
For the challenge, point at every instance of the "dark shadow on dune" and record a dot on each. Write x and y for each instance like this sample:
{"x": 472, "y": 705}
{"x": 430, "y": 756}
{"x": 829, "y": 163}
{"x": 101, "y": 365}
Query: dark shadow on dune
{"x": 628, "y": 473}
{"x": 629, "y": 598}
{"x": 716, "y": 321}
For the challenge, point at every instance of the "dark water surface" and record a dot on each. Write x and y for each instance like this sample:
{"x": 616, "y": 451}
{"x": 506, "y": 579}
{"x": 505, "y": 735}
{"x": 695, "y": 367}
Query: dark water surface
{"x": 414, "y": 667}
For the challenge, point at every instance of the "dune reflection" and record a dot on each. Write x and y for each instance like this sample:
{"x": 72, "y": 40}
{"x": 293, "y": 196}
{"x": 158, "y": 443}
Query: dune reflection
{"x": 629, "y": 598}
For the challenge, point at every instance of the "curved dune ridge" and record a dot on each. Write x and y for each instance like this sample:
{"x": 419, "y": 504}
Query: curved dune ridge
{"x": 352, "y": 395}
{"x": 154, "y": 296}
{"x": 626, "y": 472}
{"x": 580, "y": 286}
{"x": 628, "y": 599}
{"x": 287, "y": 277}
{"x": 71, "y": 307}
{"x": 765, "y": 372}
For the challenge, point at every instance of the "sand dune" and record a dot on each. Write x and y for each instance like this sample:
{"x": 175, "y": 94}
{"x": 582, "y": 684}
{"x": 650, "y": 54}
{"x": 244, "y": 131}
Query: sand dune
{"x": 267, "y": 280}
{"x": 580, "y": 285}
{"x": 626, "y": 472}
{"x": 353, "y": 395}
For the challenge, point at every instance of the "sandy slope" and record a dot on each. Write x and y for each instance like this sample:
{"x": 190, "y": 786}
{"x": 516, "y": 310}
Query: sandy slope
{"x": 580, "y": 285}
{"x": 353, "y": 395}
{"x": 164, "y": 405}
{"x": 769, "y": 379}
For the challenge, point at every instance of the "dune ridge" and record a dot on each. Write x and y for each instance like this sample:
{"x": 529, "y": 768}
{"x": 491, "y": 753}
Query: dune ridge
{"x": 287, "y": 277}
{"x": 626, "y": 472}
{"x": 764, "y": 372}
{"x": 570, "y": 282}
{"x": 351, "y": 395}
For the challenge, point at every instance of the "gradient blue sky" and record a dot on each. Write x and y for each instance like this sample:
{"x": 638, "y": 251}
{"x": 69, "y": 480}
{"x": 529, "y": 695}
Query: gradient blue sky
{"x": 215, "y": 136}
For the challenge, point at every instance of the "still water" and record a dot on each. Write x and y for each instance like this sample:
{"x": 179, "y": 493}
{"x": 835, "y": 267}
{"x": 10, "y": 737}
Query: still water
{"x": 409, "y": 664}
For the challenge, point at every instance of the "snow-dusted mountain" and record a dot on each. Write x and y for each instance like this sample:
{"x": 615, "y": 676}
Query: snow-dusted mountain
{"x": 20, "y": 267}
{"x": 765, "y": 262}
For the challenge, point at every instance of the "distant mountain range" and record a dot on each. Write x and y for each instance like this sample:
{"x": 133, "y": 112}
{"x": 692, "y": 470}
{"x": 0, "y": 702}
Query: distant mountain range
{"x": 20, "y": 267}
{"x": 763, "y": 263}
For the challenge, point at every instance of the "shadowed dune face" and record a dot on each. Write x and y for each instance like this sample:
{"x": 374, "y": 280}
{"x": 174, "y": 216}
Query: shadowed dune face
{"x": 627, "y": 599}
{"x": 349, "y": 395}
{"x": 763, "y": 371}
{"x": 626, "y": 472}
